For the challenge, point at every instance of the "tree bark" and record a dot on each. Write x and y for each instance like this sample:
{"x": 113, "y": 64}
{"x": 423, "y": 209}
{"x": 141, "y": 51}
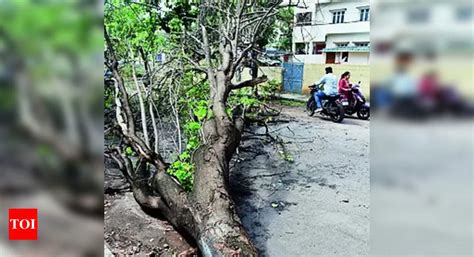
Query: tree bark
{"x": 254, "y": 71}
{"x": 221, "y": 231}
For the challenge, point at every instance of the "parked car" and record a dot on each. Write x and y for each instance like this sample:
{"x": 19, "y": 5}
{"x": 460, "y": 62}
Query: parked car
{"x": 267, "y": 61}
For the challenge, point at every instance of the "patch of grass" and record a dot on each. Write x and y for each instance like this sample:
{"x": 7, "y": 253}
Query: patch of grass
{"x": 291, "y": 103}
{"x": 285, "y": 155}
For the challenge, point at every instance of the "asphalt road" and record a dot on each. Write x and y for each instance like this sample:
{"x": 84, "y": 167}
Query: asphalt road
{"x": 315, "y": 203}
{"x": 422, "y": 187}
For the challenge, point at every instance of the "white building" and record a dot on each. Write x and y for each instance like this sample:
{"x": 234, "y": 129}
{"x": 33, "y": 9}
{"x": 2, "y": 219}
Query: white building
{"x": 332, "y": 31}
{"x": 437, "y": 27}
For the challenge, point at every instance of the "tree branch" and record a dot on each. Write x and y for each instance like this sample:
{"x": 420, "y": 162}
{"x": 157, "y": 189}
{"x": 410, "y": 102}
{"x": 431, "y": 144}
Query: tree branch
{"x": 128, "y": 125}
{"x": 250, "y": 83}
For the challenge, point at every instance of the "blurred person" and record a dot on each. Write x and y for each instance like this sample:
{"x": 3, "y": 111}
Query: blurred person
{"x": 402, "y": 88}
{"x": 329, "y": 82}
{"x": 429, "y": 86}
{"x": 435, "y": 96}
{"x": 402, "y": 84}
{"x": 429, "y": 90}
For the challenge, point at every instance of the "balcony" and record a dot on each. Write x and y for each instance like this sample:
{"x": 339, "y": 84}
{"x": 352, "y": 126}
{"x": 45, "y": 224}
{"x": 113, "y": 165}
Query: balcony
{"x": 318, "y": 32}
{"x": 314, "y": 23}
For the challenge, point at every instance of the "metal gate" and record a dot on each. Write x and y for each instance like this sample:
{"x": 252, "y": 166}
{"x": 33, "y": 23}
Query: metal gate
{"x": 293, "y": 77}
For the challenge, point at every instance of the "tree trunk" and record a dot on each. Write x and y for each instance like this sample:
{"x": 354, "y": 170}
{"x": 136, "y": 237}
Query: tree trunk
{"x": 207, "y": 214}
{"x": 221, "y": 231}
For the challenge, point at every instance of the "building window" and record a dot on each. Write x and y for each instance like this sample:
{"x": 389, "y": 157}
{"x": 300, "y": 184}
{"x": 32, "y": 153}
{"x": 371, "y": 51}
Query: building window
{"x": 364, "y": 14}
{"x": 344, "y": 57}
{"x": 418, "y": 15}
{"x": 301, "y": 48}
{"x": 464, "y": 13}
{"x": 338, "y": 16}
{"x": 303, "y": 18}
{"x": 318, "y": 47}
{"x": 344, "y": 44}
{"x": 361, "y": 43}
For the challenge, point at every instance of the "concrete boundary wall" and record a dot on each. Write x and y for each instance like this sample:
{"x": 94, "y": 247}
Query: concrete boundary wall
{"x": 313, "y": 72}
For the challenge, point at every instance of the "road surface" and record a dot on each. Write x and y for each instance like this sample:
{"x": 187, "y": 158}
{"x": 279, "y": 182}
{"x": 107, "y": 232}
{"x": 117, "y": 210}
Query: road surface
{"x": 314, "y": 203}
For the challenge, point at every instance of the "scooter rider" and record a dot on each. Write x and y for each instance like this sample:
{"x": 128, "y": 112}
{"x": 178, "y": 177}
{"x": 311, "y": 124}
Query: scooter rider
{"x": 345, "y": 87}
{"x": 329, "y": 82}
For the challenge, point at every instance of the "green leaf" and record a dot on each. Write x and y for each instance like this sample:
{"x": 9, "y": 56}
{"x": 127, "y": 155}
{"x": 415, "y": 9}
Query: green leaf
{"x": 129, "y": 151}
{"x": 201, "y": 112}
{"x": 184, "y": 156}
{"x": 193, "y": 126}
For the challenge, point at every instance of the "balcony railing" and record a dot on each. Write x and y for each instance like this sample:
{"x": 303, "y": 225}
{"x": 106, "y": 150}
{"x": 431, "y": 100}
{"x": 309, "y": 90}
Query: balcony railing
{"x": 314, "y": 23}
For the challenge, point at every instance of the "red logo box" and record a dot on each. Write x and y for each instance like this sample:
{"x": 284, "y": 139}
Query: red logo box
{"x": 23, "y": 224}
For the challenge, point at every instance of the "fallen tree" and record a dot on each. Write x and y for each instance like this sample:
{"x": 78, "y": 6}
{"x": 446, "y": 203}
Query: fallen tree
{"x": 215, "y": 39}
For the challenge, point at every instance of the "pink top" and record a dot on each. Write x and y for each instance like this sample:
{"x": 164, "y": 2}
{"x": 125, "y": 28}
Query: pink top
{"x": 344, "y": 86}
{"x": 428, "y": 87}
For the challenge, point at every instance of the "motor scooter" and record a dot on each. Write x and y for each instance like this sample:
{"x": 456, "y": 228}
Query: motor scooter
{"x": 331, "y": 105}
{"x": 359, "y": 104}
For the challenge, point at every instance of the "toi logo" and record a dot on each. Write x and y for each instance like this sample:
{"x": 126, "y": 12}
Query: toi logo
{"x": 23, "y": 224}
